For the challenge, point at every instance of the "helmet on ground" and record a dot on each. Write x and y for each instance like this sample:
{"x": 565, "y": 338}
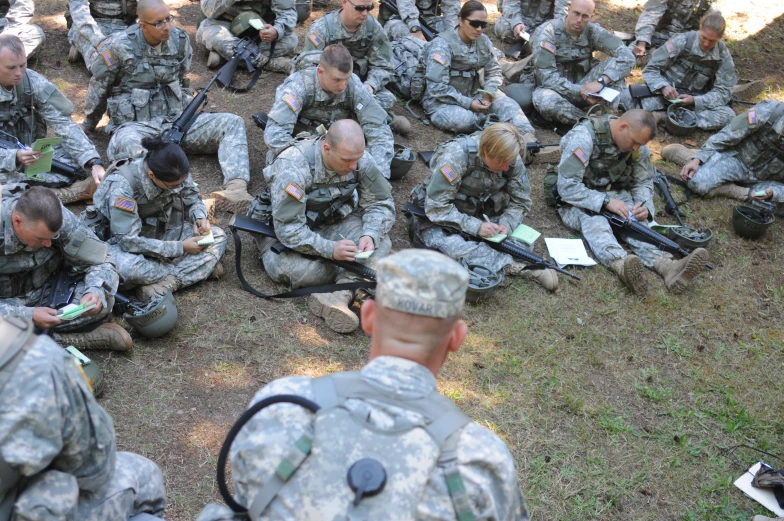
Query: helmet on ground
{"x": 751, "y": 221}
{"x": 94, "y": 375}
{"x": 522, "y": 94}
{"x": 680, "y": 121}
{"x": 157, "y": 319}
{"x": 402, "y": 162}
{"x": 481, "y": 282}
{"x": 241, "y": 25}
{"x": 304, "y": 8}
{"x": 690, "y": 237}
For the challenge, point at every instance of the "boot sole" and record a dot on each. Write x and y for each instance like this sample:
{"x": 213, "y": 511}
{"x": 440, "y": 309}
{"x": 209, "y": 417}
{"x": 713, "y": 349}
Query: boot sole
{"x": 338, "y": 320}
{"x": 224, "y": 205}
{"x": 751, "y": 90}
{"x": 692, "y": 268}
{"x": 634, "y": 277}
{"x": 550, "y": 156}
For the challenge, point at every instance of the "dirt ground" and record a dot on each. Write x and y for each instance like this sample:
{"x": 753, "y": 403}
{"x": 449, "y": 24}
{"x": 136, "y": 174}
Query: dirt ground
{"x": 614, "y": 408}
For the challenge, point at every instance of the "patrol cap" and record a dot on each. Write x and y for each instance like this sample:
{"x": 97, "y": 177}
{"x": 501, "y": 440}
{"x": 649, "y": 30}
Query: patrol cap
{"x": 421, "y": 282}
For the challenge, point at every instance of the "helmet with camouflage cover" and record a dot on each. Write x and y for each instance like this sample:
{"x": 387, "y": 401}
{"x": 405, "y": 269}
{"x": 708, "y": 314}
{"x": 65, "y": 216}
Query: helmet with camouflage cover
{"x": 680, "y": 121}
{"x": 157, "y": 319}
{"x": 690, "y": 237}
{"x": 752, "y": 220}
{"x": 481, "y": 282}
{"x": 241, "y": 25}
{"x": 402, "y": 162}
{"x": 522, "y": 94}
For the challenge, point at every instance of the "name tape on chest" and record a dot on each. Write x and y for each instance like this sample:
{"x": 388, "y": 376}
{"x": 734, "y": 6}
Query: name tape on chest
{"x": 125, "y": 204}
{"x": 752, "y": 118}
{"x": 548, "y": 47}
{"x": 315, "y": 40}
{"x": 108, "y": 58}
{"x": 580, "y": 154}
{"x": 294, "y": 191}
{"x": 669, "y": 47}
{"x": 439, "y": 58}
{"x": 449, "y": 173}
{"x": 292, "y": 102}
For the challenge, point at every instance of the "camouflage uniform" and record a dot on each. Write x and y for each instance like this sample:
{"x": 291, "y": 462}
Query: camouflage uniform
{"x": 148, "y": 225}
{"x": 709, "y": 77}
{"x": 90, "y": 21}
{"x": 592, "y": 168}
{"x": 302, "y": 105}
{"x": 563, "y": 65}
{"x": 24, "y": 273}
{"x": 368, "y": 45}
{"x": 313, "y": 207}
{"x": 16, "y": 21}
{"x": 61, "y": 442}
{"x": 748, "y": 151}
{"x": 215, "y": 31}
{"x": 405, "y": 59}
{"x": 26, "y": 117}
{"x": 452, "y": 70}
{"x": 142, "y": 87}
{"x": 531, "y": 13}
{"x": 660, "y": 20}
{"x": 459, "y": 191}
{"x": 440, "y": 15}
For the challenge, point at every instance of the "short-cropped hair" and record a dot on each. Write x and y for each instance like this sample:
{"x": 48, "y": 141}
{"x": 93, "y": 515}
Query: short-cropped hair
{"x": 337, "y": 57}
{"x": 41, "y": 204}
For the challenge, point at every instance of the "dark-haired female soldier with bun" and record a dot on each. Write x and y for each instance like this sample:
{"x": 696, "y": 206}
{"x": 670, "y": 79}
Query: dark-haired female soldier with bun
{"x": 157, "y": 221}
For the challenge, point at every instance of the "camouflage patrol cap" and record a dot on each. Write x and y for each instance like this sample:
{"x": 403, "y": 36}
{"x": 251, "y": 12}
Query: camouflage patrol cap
{"x": 421, "y": 282}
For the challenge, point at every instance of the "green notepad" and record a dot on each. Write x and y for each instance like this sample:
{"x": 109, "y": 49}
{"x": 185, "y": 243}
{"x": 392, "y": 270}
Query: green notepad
{"x": 526, "y": 234}
{"x": 207, "y": 240}
{"x": 661, "y": 228}
{"x": 676, "y": 100}
{"x": 364, "y": 254}
{"x": 497, "y": 238}
{"x": 44, "y": 164}
{"x": 72, "y": 311}
{"x": 81, "y": 359}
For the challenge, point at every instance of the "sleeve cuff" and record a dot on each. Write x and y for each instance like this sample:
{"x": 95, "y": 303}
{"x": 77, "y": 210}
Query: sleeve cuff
{"x": 281, "y": 31}
{"x": 699, "y": 104}
{"x": 373, "y": 234}
{"x": 472, "y": 226}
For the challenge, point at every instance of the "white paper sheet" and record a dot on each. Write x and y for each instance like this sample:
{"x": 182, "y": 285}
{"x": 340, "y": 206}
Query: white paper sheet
{"x": 607, "y": 94}
{"x": 568, "y": 251}
{"x": 763, "y": 496}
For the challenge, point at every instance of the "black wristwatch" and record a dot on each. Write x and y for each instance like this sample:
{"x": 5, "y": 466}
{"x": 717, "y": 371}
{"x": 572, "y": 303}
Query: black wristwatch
{"x": 415, "y": 29}
{"x": 601, "y": 81}
{"x": 91, "y": 163}
{"x": 606, "y": 201}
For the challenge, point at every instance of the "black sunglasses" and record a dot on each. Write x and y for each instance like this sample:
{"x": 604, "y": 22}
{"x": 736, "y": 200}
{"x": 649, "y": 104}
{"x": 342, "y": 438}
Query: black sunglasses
{"x": 477, "y": 24}
{"x": 361, "y": 8}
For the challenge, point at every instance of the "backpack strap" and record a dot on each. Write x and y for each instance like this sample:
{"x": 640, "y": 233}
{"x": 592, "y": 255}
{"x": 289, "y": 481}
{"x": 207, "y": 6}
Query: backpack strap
{"x": 24, "y": 95}
{"x": 447, "y": 462}
{"x": 329, "y": 19}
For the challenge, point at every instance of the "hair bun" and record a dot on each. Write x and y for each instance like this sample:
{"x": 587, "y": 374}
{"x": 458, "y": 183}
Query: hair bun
{"x": 153, "y": 143}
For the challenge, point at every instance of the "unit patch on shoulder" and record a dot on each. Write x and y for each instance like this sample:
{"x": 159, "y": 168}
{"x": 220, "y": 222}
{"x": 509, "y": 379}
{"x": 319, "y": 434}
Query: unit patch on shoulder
{"x": 669, "y": 47}
{"x": 548, "y": 46}
{"x": 315, "y": 40}
{"x": 294, "y": 191}
{"x": 580, "y": 154}
{"x": 128, "y": 205}
{"x": 448, "y": 173}
{"x": 108, "y": 58}
{"x": 439, "y": 58}
{"x": 752, "y": 118}
{"x": 292, "y": 102}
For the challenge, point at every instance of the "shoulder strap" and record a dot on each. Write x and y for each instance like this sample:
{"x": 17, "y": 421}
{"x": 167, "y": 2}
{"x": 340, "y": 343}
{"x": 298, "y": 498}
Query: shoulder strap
{"x": 24, "y": 95}
{"x": 370, "y": 26}
{"x": 329, "y": 19}
{"x": 182, "y": 43}
{"x": 447, "y": 461}
{"x": 601, "y": 129}
{"x": 690, "y": 37}
{"x": 777, "y": 113}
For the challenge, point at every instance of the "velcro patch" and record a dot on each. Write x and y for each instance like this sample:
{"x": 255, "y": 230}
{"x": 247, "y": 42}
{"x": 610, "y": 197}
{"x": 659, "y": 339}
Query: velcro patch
{"x": 580, "y": 154}
{"x": 128, "y": 205}
{"x": 439, "y": 58}
{"x": 292, "y": 102}
{"x": 108, "y": 58}
{"x": 548, "y": 46}
{"x": 752, "y": 118}
{"x": 670, "y": 48}
{"x": 360, "y": 106}
{"x": 294, "y": 191}
{"x": 450, "y": 174}
{"x": 315, "y": 40}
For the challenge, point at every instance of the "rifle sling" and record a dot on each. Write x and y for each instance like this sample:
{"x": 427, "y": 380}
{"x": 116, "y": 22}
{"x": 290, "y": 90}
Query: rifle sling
{"x": 256, "y": 75}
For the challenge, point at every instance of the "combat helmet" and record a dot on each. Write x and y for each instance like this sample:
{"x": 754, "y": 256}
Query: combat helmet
{"x": 154, "y": 320}
{"x": 691, "y": 238}
{"x": 680, "y": 121}
{"x": 402, "y": 162}
{"x": 481, "y": 282}
{"x": 752, "y": 220}
{"x": 241, "y": 25}
{"x": 522, "y": 94}
{"x": 304, "y": 8}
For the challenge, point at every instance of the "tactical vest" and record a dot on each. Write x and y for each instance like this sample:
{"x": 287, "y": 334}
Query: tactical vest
{"x": 606, "y": 171}
{"x": 763, "y": 151}
{"x": 464, "y": 69}
{"x": 481, "y": 190}
{"x": 18, "y": 117}
{"x": 572, "y": 59}
{"x": 165, "y": 212}
{"x": 150, "y": 86}
{"x": 340, "y": 439}
{"x": 323, "y": 112}
{"x": 683, "y": 15}
{"x": 263, "y": 8}
{"x": 358, "y": 48}
{"x": 694, "y": 73}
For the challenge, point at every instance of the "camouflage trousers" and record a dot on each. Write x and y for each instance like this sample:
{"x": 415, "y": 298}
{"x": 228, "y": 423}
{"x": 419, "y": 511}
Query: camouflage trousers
{"x": 397, "y": 28}
{"x": 33, "y": 299}
{"x": 598, "y": 232}
{"x": 505, "y": 31}
{"x": 463, "y": 121}
{"x": 211, "y": 133}
{"x": 385, "y": 98}
{"x": 49, "y": 179}
{"x": 725, "y": 167}
{"x": 297, "y": 271}
{"x": 216, "y": 36}
{"x": 136, "y": 269}
{"x": 572, "y": 108}
{"x": 135, "y": 488}
{"x": 31, "y": 35}
{"x": 707, "y": 119}
{"x": 86, "y": 36}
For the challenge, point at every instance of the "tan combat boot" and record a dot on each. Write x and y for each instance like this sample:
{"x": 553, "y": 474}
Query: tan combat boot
{"x": 73, "y": 54}
{"x": 548, "y": 278}
{"x": 749, "y": 90}
{"x": 631, "y": 271}
{"x": 149, "y": 292}
{"x": 660, "y": 117}
{"x": 677, "y": 275}
{"x": 678, "y": 154}
{"x": 79, "y": 191}
{"x": 333, "y": 308}
{"x": 213, "y": 60}
{"x": 400, "y": 125}
{"x": 106, "y": 336}
{"x": 217, "y": 272}
{"x": 234, "y": 198}
{"x": 731, "y": 191}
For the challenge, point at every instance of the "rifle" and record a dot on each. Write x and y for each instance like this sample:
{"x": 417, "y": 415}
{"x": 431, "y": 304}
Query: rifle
{"x": 58, "y": 167}
{"x": 663, "y": 187}
{"x": 61, "y": 288}
{"x": 123, "y": 304}
{"x": 641, "y": 90}
{"x": 428, "y": 32}
{"x": 506, "y": 246}
{"x": 254, "y": 226}
{"x": 531, "y": 148}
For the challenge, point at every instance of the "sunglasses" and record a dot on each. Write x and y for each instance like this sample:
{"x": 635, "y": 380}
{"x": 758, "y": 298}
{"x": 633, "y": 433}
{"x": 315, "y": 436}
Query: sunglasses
{"x": 361, "y": 8}
{"x": 477, "y": 24}
{"x": 160, "y": 25}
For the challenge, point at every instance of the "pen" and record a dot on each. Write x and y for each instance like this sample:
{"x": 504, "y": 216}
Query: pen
{"x": 487, "y": 219}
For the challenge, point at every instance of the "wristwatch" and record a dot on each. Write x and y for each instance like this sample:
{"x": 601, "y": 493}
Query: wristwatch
{"x": 415, "y": 29}
{"x": 601, "y": 80}
{"x": 606, "y": 201}
{"x": 91, "y": 163}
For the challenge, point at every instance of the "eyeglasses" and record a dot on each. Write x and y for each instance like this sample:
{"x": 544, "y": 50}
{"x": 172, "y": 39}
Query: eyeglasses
{"x": 160, "y": 25}
{"x": 361, "y": 8}
{"x": 477, "y": 24}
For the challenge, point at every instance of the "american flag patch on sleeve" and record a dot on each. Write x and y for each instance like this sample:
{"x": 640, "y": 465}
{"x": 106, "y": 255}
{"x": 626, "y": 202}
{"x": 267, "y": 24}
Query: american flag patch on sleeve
{"x": 448, "y": 173}
{"x": 669, "y": 47}
{"x": 580, "y": 154}
{"x": 752, "y": 117}
{"x": 108, "y": 58}
{"x": 548, "y": 46}
{"x": 315, "y": 40}
{"x": 292, "y": 102}
{"x": 439, "y": 58}
{"x": 128, "y": 205}
{"x": 294, "y": 191}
